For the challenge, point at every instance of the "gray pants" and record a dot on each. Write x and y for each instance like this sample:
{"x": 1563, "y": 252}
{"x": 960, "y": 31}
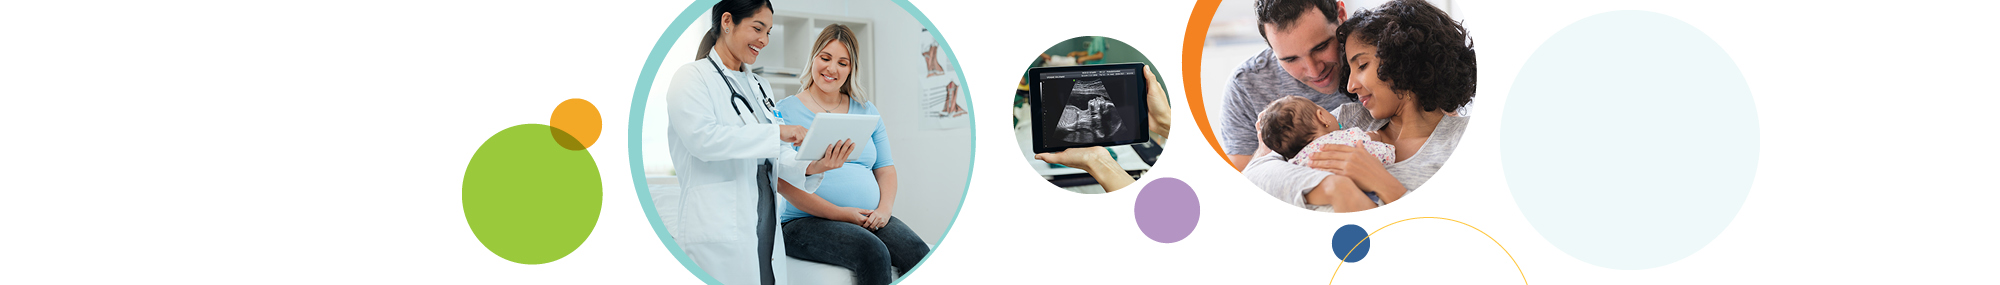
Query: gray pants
{"x": 767, "y": 222}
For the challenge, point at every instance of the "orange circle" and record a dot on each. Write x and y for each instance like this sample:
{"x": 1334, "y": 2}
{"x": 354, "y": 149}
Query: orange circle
{"x": 575, "y": 124}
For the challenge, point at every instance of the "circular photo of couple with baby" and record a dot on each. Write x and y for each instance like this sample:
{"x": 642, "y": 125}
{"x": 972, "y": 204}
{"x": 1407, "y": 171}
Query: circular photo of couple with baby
{"x": 1337, "y": 106}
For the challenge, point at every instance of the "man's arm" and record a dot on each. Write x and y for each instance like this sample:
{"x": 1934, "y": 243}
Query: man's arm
{"x": 1290, "y": 185}
{"x": 1239, "y": 121}
{"x": 1245, "y": 159}
{"x": 1239, "y": 160}
{"x": 1341, "y": 193}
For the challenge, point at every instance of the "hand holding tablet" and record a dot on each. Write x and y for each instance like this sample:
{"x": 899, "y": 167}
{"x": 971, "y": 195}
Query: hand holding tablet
{"x": 830, "y": 128}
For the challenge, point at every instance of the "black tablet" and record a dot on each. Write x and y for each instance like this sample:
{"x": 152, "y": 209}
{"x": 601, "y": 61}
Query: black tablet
{"x": 1087, "y": 105}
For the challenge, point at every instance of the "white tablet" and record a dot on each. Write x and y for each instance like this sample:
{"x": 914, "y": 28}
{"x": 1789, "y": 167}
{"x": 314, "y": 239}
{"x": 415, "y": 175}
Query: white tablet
{"x": 828, "y": 128}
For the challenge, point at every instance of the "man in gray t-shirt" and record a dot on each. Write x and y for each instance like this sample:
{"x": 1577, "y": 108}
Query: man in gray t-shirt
{"x": 1300, "y": 61}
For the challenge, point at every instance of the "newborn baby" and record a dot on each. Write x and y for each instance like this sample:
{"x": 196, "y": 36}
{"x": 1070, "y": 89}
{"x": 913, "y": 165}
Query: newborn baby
{"x": 1295, "y": 128}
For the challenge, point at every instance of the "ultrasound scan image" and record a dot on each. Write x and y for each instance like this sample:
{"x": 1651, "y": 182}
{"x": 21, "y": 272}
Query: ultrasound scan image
{"x": 1088, "y": 114}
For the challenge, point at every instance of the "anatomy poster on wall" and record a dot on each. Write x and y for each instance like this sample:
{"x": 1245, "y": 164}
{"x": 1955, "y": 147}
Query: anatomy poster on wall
{"x": 943, "y": 107}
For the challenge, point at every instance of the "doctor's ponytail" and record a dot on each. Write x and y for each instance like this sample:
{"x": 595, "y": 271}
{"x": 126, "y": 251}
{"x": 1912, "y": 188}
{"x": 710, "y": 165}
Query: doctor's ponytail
{"x": 738, "y": 10}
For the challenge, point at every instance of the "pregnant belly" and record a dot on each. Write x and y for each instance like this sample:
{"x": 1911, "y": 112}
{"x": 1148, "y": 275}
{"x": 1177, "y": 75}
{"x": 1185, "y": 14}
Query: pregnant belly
{"x": 850, "y": 186}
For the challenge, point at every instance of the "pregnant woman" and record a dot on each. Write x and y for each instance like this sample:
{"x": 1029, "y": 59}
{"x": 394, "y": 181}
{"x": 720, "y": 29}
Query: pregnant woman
{"x": 848, "y": 221}
{"x": 1408, "y": 67}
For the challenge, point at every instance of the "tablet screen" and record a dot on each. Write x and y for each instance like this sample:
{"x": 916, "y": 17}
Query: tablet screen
{"x": 1098, "y": 105}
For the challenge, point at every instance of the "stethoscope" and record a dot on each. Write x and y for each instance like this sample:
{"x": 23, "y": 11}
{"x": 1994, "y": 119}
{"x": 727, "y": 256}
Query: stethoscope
{"x": 764, "y": 166}
{"x": 738, "y": 97}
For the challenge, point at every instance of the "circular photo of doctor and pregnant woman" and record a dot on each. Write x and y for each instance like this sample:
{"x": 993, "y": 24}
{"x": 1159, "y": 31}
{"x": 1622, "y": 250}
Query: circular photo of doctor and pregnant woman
{"x": 801, "y": 142}
{"x": 1337, "y": 106}
{"x": 1091, "y": 114}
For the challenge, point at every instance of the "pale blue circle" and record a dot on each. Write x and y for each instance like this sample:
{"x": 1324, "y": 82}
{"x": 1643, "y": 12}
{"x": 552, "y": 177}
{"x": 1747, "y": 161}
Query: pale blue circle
{"x": 1629, "y": 140}
{"x": 650, "y": 71}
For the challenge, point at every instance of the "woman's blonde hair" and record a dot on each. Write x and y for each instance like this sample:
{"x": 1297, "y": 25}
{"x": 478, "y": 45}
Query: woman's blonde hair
{"x": 836, "y": 32}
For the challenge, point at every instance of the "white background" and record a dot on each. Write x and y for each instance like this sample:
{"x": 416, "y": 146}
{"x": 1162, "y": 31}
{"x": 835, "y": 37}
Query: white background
{"x": 255, "y": 142}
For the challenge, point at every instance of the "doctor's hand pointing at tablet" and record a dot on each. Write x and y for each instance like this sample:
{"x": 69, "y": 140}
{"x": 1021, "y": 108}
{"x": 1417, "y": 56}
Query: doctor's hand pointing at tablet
{"x": 792, "y": 134}
{"x": 835, "y": 153}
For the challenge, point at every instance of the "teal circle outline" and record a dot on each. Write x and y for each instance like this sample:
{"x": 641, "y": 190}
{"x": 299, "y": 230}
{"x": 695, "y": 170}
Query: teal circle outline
{"x": 1613, "y": 213}
{"x": 650, "y": 71}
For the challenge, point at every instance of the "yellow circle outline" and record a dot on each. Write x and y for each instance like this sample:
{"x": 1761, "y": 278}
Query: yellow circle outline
{"x": 1357, "y": 245}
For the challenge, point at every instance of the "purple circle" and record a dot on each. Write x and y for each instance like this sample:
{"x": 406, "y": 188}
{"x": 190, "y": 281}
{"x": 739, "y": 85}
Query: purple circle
{"x": 1167, "y": 210}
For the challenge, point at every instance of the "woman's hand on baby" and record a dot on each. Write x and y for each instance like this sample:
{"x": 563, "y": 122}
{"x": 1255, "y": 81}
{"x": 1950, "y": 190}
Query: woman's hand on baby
{"x": 835, "y": 155}
{"x": 1344, "y": 160}
{"x": 792, "y": 134}
{"x": 1355, "y": 162}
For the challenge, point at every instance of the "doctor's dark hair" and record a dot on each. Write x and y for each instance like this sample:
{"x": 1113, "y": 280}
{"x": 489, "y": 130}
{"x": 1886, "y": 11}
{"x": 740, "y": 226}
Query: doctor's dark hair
{"x": 1420, "y": 50}
{"x": 1287, "y": 125}
{"x": 836, "y": 32}
{"x": 1283, "y": 12}
{"x": 738, "y": 10}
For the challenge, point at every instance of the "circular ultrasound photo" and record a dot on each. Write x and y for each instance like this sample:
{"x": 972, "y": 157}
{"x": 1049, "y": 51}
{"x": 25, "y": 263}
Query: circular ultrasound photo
{"x": 1091, "y": 114}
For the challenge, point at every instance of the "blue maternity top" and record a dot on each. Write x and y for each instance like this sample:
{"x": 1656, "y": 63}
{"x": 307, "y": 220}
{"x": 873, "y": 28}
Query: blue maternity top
{"x": 853, "y": 184}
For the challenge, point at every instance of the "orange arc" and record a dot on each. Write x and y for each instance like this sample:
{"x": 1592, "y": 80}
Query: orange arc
{"x": 1192, "y": 45}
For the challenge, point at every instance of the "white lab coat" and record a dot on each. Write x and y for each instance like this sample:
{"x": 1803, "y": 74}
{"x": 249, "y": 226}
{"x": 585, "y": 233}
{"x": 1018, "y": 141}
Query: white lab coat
{"x": 716, "y": 153}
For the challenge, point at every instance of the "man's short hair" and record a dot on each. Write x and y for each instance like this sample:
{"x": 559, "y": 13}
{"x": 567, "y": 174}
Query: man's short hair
{"x": 1284, "y": 12}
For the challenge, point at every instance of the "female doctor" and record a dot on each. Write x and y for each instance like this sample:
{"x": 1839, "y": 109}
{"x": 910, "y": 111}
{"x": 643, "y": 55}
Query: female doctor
{"x": 729, "y": 149}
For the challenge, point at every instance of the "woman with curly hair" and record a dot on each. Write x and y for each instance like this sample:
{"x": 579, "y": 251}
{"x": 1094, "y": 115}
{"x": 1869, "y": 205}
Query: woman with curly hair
{"x": 1410, "y": 69}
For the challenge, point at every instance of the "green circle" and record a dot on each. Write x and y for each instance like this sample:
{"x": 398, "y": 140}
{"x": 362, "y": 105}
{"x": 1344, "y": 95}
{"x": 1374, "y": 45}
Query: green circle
{"x": 528, "y": 199}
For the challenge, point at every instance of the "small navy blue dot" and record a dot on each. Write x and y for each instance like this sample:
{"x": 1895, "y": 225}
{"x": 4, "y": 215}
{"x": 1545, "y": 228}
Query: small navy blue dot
{"x": 1344, "y": 240}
